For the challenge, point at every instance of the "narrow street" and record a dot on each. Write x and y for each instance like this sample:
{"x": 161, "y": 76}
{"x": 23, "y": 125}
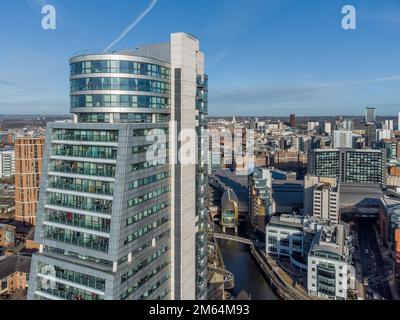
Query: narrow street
{"x": 374, "y": 271}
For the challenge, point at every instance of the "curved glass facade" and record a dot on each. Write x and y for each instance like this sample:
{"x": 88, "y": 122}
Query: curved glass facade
{"x": 121, "y": 84}
{"x": 113, "y": 66}
{"x": 119, "y": 101}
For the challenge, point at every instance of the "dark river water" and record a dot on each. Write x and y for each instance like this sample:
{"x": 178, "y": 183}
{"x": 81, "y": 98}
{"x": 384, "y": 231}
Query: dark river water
{"x": 248, "y": 276}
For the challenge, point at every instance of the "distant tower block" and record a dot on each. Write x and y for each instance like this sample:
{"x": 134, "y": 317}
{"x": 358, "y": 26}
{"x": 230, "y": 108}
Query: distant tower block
{"x": 293, "y": 120}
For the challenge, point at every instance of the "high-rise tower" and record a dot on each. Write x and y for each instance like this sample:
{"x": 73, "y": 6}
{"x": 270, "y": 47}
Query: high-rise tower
{"x": 29, "y": 151}
{"x": 119, "y": 216}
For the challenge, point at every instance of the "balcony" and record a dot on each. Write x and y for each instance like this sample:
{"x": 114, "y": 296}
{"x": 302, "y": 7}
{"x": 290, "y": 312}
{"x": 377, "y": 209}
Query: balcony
{"x": 82, "y": 188}
{"x": 85, "y": 154}
{"x": 69, "y": 294}
{"x": 83, "y": 172}
{"x": 75, "y": 136}
{"x": 80, "y": 224}
{"x": 106, "y": 209}
{"x": 88, "y": 244}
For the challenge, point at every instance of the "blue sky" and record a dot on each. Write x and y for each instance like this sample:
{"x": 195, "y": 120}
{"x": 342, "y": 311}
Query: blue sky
{"x": 264, "y": 57}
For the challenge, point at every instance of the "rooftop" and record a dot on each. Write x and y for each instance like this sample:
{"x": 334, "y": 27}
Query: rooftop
{"x": 287, "y": 220}
{"x": 14, "y": 263}
{"x": 331, "y": 239}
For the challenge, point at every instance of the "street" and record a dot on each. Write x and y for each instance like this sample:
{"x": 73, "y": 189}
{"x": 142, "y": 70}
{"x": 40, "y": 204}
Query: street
{"x": 374, "y": 271}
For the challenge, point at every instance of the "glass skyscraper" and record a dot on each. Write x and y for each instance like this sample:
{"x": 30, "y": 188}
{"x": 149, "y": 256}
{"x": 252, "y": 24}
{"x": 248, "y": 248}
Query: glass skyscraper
{"x": 118, "y": 217}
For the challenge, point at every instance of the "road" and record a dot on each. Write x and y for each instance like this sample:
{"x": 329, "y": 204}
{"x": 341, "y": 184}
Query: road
{"x": 372, "y": 263}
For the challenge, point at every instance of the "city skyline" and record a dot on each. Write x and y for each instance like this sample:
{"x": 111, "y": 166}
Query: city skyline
{"x": 308, "y": 66}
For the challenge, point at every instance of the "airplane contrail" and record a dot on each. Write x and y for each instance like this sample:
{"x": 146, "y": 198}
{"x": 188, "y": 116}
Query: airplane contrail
{"x": 132, "y": 25}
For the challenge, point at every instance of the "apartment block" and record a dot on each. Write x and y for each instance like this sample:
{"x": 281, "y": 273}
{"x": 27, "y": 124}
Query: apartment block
{"x": 120, "y": 218}
{"x": 29, "y": 152}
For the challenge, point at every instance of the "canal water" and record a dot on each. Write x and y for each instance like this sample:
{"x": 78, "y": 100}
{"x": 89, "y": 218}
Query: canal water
{"x": 248, "y": 276}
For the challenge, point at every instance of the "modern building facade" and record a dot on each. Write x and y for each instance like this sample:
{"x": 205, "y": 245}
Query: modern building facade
{"x": 7, "y": 162}
{"x": 121, "y": 215}
{"x": 284, "y": 236}
{"x": 293, "y": 120}
{"x": 370, "y": 115}
{"x": 330, "y": 273}
{"x": 29, "y": 153}
{"x": 342, "y": 139}
{"x": 350, "y": 166}
{"x": 326, "y": 202}
{"x": 260, "y": 198}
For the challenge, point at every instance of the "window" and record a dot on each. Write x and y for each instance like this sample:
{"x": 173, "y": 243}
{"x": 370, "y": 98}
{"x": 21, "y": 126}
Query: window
{"x": 272, "y": 240}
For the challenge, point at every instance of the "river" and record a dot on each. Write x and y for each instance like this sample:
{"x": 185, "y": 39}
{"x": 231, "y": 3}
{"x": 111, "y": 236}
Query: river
{"x": 248, "y": 276}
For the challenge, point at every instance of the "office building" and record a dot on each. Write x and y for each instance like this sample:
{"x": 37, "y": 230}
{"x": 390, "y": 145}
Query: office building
{"x": 29, "y": 152}
{"x": 350, "y": 166}
{"x": 330, "y": 273}
{"x": 260, "y": 199}
{"x": 293, "y": 120}
{"x": 383, "y": 134}
{"x": 120, "y": 218}
{"x": 370, "y": 116}
{"x": 7, "y": 162}
{"x": 370, "y": 135}
{"x": 388, "y": 124}
{"x": 342, "y": 139}
{"x": 328, "y": 128}
{"x": 326, "y": 202}
{"x": 398, "y": 121}
{"x": 310, "y": 184}
{"x": 284, "y": 236}
{"x": 312, "y": 125}
{"x": 346, "y": 125}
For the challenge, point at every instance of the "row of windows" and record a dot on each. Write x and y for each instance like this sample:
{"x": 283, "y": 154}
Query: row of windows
{"x": 150, "y": 132}
{"x": 78, "y": 256}
{"x": 85, "y": 135}
{"x": 85, "y": 151}
{"x": 143, "y": 264}
{"x": 77, "y": 238}
{"x": 145, "y": 230}
{"x": 148, "y": 212}
{"x": 119, "y": 101}
{"x": 113, "y": 66}
{"x": 146, "y": 245}
{"x": 148, "y": 196}
{"x": 83, "y": 168}
{"x": 145, "y": 279}
{"x": 94, "y": 117}
{"x": 69, "y": 293}
{"x": 80, "y": 203}
{"x": 149, "y": 147}
{"x": 123, "y": 84}
{"x": 149, "y": 180}
{"x": 75, "y": 277}
{"x": 158, "y": 284}
{"x": 82, "y": 185}
{"x": 78, "y": 220}
{"x": 148, "y": 164}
